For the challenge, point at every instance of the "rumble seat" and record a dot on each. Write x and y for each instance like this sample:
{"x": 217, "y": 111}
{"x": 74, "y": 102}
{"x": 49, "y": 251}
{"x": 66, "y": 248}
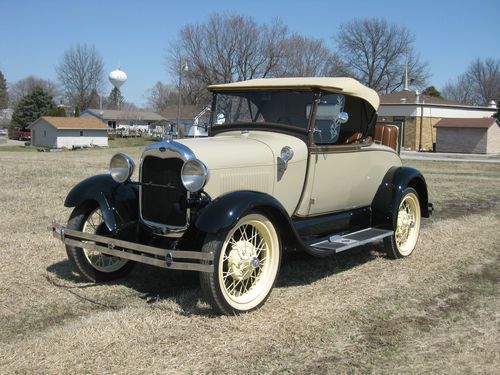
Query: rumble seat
{"x": 387, "y": 135}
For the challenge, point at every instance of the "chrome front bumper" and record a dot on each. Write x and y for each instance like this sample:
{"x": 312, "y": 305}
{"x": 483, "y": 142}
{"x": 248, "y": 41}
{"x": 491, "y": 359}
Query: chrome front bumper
{"x": 165, "y": 258}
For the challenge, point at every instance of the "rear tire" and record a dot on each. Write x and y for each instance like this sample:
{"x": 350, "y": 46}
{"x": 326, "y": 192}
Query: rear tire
{"x": 406, "y": 226}
{"x": 246, "y": 264}
{"x": 92, "y": 265}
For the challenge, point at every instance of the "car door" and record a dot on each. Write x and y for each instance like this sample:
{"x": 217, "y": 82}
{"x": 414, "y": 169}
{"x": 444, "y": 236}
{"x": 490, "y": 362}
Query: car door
{"x": 342, "y": 174}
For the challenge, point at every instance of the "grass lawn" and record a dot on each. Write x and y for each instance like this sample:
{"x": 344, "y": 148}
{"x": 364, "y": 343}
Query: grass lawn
{"x": 20, "y": 148}
{"x": 356, "y": 312}
{"x": 131, "y": 142}
{"x": 113, "y": 143}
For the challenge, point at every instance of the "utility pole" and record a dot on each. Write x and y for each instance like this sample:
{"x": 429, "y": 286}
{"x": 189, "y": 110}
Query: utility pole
{"x": 181, "y": 68}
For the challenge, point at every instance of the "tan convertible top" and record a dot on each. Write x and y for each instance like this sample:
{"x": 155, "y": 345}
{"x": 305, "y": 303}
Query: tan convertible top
{"x": 342, "y": 85}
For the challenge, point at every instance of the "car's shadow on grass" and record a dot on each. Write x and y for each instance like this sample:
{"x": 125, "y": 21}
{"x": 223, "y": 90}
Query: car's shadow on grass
{"x": 299, "y": 268}
{"x": 155, "y": 284}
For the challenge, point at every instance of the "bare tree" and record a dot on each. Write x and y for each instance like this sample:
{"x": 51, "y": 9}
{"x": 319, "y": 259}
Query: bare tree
{"x": 26, "y": 86}
{"x": 460, "y": 90}
{"x": 308, "y": 57}
{"x": 159, "y": 97}
{"x": 226, "y": 48}
{"x": 128, "y": 106}
{"x": 478, "y": 85}
{"x": 4, "y": 94}
{"x": 485, "y": 77}
{"x": 80, "y": 72}
{"x": 95, "y": 100}
{"x": 376, "y": 53}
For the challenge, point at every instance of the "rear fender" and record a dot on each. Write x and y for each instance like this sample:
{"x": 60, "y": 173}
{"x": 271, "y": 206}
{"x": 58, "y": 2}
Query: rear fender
{"x": 118, "y": 202}
{"x": 389, "y": 194}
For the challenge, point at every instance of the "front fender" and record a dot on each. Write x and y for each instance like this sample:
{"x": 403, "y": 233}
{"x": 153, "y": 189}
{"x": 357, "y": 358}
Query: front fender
{"x": 226, "y": 210}
{"x": 118, "y": 202}
{"x": 390, "y": 191}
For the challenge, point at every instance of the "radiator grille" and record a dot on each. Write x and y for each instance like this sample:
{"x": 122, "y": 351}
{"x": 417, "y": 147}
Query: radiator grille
{"x": 162, "y": 203}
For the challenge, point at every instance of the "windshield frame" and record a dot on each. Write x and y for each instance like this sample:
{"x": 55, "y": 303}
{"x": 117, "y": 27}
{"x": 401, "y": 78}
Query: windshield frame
{"x": 295, "y": 130}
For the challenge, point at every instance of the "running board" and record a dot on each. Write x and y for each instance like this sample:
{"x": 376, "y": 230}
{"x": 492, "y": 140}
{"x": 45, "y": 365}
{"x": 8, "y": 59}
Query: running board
{"x": 338, "y": 243}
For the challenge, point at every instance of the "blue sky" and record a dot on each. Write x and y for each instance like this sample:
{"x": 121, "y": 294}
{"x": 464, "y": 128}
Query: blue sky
{"x": 136, "y": 34}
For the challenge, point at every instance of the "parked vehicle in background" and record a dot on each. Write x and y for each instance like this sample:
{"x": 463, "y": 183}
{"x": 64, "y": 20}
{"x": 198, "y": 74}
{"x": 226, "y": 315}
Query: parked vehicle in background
{"x": 19, "y": 134}
{"x": 3, "y": 132}
{"x": 289, "y": 163}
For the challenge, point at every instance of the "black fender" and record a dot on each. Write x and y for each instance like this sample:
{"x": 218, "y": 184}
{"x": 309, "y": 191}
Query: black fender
{"x": 119, "y": 202}
{"x": 225, "y": 211}
{"x": 386, "y": 201}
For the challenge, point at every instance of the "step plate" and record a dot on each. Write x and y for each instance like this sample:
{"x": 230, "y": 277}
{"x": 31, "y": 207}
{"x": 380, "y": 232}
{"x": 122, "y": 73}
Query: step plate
{"x": 337, "y": 244}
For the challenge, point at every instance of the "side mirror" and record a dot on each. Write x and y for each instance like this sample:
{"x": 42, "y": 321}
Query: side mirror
{"x": 343, "y": 117}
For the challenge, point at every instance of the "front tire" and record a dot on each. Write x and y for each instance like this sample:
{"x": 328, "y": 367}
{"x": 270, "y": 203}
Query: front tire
{"x": 93, "y": 265}
{"x": 406, "y": 226}
{"x": 246, "y": 264}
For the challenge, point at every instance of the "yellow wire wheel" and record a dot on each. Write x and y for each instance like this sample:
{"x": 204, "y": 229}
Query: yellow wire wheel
{"x": 246, "y": 264}
{"x": 98, "y": 260}
{"x": 91, "y": 264}
{"x": 407, "y": 226}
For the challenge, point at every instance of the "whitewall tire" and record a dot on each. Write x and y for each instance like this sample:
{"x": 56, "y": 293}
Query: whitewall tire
{"x": 246, "y": 264}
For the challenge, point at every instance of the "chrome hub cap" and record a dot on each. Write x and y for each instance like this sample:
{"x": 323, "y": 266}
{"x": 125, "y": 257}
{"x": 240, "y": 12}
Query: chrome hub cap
{"x": 242, "y": 260}
{"x": 255, "y": 262}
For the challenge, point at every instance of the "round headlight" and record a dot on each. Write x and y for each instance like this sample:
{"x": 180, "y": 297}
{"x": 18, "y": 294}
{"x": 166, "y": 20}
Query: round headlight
{"x": 194, "y": 175}
{"x": 121, "y": 167}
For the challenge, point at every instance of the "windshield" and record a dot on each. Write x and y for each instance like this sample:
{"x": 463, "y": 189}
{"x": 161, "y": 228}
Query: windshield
{"x": 278, "y": 107}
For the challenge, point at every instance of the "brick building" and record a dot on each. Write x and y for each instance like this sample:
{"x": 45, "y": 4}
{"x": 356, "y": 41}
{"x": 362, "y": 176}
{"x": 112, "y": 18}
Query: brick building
{"x": 417, "y": 114}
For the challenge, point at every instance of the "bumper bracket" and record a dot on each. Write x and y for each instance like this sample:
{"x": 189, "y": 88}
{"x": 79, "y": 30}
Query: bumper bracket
{"x": 165, "y": 258}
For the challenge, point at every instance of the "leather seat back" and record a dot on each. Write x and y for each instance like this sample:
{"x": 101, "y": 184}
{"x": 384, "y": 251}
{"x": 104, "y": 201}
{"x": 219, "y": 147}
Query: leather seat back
{"x": 387, "y": 135}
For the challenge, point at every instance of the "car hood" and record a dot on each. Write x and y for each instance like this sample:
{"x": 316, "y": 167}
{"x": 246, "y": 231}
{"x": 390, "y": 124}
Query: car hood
{"x": 239, "y": 160}
{"x": 236, "y": 149}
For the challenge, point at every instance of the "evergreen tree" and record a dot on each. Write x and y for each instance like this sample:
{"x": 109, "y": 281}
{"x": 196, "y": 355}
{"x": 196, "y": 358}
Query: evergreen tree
{"x": 4, "y": 95}
{"x": 77, "y": 111}
{"x": 115, "y": 99}
{"x": 57, "y": 112}
{"x": 31, "y": 107}
{"x": 432, "y": 91}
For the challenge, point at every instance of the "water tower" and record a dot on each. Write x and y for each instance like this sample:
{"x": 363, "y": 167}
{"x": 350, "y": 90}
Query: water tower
{"x": 117, "y": 78}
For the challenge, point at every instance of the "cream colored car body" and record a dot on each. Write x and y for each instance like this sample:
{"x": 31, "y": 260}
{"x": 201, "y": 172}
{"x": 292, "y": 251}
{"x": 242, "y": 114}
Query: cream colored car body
{"x": 343, "y": 178}
{"x": 280, "y": 170}
{"x": 334, "y": 179}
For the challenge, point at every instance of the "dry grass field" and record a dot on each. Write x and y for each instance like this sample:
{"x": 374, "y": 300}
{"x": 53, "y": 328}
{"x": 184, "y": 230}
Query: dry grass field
{"x": 357, "y": 312}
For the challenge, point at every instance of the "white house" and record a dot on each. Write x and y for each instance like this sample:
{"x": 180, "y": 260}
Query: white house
{"x": 68, "y": 132}
{"x": 140, "y": 120}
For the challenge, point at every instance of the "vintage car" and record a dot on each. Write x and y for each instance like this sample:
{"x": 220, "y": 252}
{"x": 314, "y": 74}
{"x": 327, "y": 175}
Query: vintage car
{"x": 289, "y": 163}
